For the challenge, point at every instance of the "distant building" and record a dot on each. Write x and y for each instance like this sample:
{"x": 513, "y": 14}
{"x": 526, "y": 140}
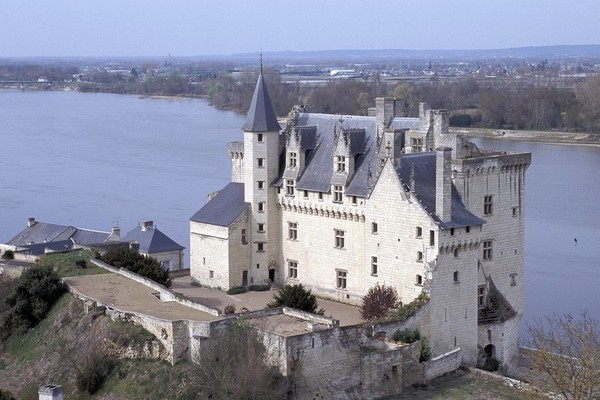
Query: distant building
{"x": 152, "y": 242}
{"x": 39, "y": 238}
{"x": 342, "y": 203}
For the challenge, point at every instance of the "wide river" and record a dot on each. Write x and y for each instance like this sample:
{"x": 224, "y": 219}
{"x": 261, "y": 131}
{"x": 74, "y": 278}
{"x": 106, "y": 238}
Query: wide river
{"x": 95, "y": 160}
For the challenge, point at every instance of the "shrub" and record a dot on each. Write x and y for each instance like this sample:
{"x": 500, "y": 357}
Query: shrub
{"x": 407, "y": 335}
{"x": 91, "y": 378}
{"x": 425, "y": 350}
{"x": 378, "y": 302}
{"x": 37, "y": 290}
{"x": 259, "y": 288}
{"x": 461, "y": 120}
{"x": 229, "y": 309}
{"x": 6, "y": 395}
{"x": 8, "y": 255}
{"x": 491, "y": 364}
{"x": 237, "y": 290}
{"x": 133, "y": 261}
{"x": 296, "y": 296}
{"x": 408, "y": 310}
{"x": 81, "y": 263}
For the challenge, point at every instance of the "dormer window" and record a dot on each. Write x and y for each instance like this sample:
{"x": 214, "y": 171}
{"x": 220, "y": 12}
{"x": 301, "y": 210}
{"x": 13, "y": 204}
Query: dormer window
{"x": 293, "y": 159}
{"x": 290, "y": 187}
{"x": 337, "y": 193}
{"x": 341, "y": 164}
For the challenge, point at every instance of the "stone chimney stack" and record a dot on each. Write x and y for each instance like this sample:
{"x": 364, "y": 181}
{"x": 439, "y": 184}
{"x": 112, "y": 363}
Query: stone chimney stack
{"x": 30, "y": 222}
{"x": 443, "y": 183}
{"x": 116, "y": 231}
{"x": 147, "y": 225}
{"x": 50, "y": 392}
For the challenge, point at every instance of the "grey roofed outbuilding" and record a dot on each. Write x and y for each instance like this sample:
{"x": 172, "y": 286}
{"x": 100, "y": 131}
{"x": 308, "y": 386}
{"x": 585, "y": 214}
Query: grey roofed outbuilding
{"x": 424, "y": 167}
{"x": 223, "y": 208}
{"x": 42, "y": 232}
{"x": 261, "y": 116}
{"x": 151, "y": 240}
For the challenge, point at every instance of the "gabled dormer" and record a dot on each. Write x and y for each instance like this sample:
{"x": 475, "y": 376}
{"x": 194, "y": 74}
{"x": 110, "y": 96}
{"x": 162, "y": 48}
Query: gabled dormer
{"x": 300, "y": 141}
{"x": 348, "y": 145}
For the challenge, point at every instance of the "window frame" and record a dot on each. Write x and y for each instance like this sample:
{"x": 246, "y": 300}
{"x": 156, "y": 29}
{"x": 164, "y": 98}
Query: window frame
{"x": 338, "y": 193}
{"x": 341, "y": 279}
{"x": 340, "y": 238}
{"x": 341, "y": 164}
{"x": 293, "y": 159}
{"x": 290, "y": 186}
{"x": 292, "y": 230}
{"x": 374, "y": 265}
{"x": 488, "y": 253}
{"x": 488, "y": 204}
{"x": 292, "y": 269}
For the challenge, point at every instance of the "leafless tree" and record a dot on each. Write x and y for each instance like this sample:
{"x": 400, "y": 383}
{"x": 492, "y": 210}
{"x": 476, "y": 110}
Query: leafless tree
{"x": 236, "y": 366}
{"x": 567, "y": 354}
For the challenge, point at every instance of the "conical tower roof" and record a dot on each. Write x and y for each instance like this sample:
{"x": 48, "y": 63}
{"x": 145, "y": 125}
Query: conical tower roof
{"x": 261, "y": 117}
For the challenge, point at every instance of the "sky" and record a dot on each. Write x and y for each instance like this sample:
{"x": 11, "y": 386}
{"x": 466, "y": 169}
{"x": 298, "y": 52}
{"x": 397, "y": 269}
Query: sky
{"x": 30, "y": 28}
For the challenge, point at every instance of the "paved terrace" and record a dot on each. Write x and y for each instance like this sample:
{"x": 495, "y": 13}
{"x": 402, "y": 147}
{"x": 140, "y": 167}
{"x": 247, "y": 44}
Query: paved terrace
{"x": 345, "y": 313}
{"x": 122, "y": 293}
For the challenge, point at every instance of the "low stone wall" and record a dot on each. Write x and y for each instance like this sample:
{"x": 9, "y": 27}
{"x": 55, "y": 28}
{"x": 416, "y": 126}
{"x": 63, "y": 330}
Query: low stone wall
{"x": 179, "y": 273}
{"x": 443, "y": 364}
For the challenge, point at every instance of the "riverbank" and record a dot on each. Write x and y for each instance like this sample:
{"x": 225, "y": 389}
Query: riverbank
{"x": 551, "y": 137}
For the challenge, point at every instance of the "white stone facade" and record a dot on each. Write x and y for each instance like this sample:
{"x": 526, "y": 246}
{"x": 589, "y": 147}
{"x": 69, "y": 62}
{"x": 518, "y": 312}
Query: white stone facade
{"x": 339, "y": 241}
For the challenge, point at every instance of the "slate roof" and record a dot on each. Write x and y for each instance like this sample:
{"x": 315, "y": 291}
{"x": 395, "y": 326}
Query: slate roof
{"x": 43, "y": 232}
{"x": 318, "y": 172}
{"x": 224, "y": 208}
{"x": 86, "y": 236}
{"x": 424, "y": 165}
{"x": 261, "y": 116}
{"x": 39, "y": 249}
{"x": 152, "y": 240}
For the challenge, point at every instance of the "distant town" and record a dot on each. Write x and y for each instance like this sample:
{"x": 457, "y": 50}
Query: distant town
{"x": 534, "y": 88}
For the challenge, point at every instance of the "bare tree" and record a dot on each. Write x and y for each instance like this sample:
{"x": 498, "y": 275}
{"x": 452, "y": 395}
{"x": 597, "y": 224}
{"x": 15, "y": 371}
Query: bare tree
{"x": 236, "y": 366}
{"x": 566, "y": 354}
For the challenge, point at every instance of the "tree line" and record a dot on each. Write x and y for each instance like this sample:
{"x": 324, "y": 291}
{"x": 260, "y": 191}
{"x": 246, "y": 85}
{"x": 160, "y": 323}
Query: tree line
{"x": 470, "y": 103}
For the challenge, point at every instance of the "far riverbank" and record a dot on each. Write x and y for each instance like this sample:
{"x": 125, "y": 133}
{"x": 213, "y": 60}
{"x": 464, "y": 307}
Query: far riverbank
{"x": 550, "y": 137}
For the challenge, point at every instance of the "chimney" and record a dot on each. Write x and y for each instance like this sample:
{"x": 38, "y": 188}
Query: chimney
{"x": 147, "y": 225}
{"x": 30, "y": 222}
{"x": 443, "y": 183}
{"x": 116, "y": 231}
{"x": 50, "y": 392}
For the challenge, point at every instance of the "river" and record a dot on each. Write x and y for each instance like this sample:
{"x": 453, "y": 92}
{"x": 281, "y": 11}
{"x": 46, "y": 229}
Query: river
{"x": 95, "y": 160}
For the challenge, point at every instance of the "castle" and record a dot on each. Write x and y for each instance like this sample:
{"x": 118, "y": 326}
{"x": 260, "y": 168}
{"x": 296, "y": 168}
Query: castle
{"x": 342, "y": 203}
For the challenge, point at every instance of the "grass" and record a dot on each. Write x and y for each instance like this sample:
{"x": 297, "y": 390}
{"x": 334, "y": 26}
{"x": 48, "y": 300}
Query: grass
{"x": 465, "y": 385}
{"x": 25, "y": 347}
{"x": 66, "y": 263}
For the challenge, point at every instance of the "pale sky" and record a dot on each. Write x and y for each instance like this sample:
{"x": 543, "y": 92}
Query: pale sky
{"x": 223, "y": 27}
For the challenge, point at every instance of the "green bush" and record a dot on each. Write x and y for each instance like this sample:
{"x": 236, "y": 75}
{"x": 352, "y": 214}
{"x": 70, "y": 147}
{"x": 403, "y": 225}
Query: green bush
{"x": 133, "y": 261}
{"x": 8, "y": 255}
{"x": 81, "y": 263}
{"x": 408, "y": 310}
{"x": 407, "y": 335}
{"x": 37, "y": 290}
{"x": 491, "y": 364}
{"x": 461, "y": 120}
{"x": 259, "y": 288}
{"x": 296, "y": 296}
{"x": 6, "y": 395}
{"x": 425, "y": 350}
{"x": 91, "y": 378}
{"x": 237, "y": 290}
